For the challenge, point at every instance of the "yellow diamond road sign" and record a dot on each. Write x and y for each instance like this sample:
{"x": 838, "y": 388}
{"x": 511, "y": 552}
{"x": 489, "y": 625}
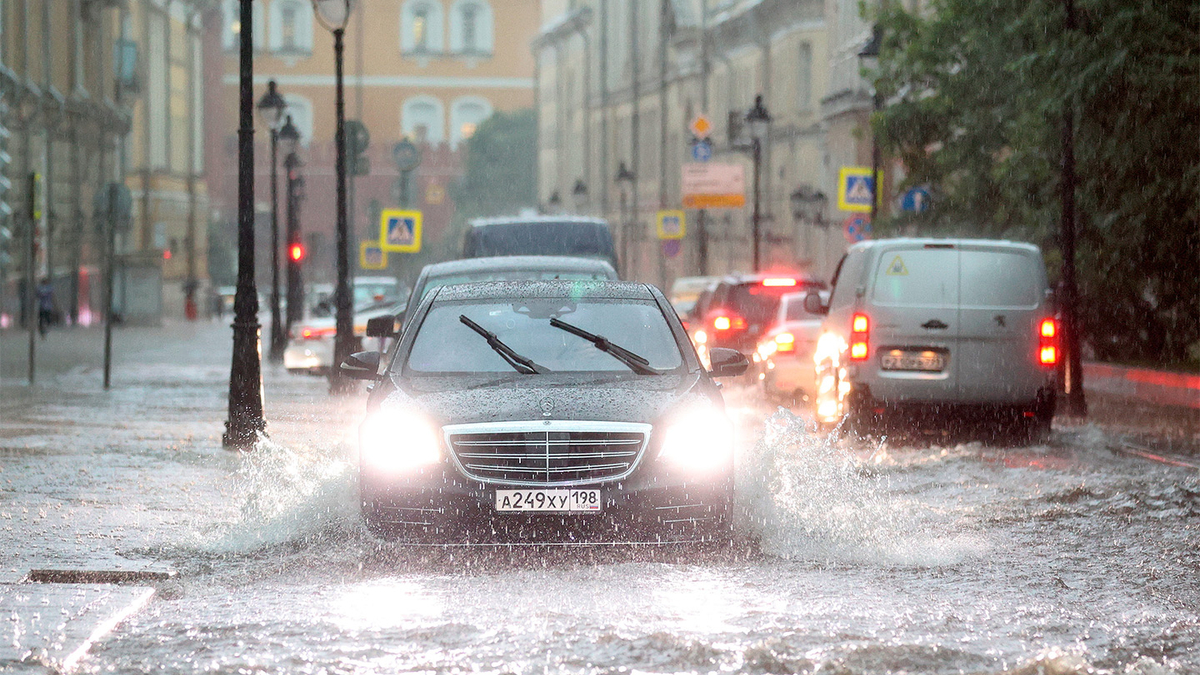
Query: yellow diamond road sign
{"x": 701, "y": 127}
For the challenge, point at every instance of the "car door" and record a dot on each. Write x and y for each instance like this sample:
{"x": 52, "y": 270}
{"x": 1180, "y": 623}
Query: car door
{"x": 1000, "y": 289}
{"x": 914, "y": 324}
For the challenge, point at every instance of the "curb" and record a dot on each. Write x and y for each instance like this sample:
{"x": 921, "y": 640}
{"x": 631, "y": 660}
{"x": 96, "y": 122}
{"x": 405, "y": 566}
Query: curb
{"x": 1154, "y": 386}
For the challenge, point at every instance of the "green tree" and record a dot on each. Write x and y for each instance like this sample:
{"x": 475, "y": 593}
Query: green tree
{"x": 976, "y": 91}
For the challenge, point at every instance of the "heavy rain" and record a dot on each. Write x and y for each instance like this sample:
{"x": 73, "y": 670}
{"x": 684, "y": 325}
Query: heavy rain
{"x": 601, "y": 336}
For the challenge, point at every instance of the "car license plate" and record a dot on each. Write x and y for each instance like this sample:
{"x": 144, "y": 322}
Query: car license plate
{"x": 896, "y": 359}
{"x": 549, "y": 501}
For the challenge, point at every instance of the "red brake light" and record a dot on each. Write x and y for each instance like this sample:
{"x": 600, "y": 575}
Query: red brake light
{"x": 721, "y": 323}
{"x": 860, "y": 327}
{"x": 779, "y": 282}
{"x": 1048, "y": 342}
{"x": 1048, "y": 328}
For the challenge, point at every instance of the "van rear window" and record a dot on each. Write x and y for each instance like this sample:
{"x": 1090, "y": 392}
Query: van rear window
{"x": 997, "y": 279}
{"x": 923, "y": 277}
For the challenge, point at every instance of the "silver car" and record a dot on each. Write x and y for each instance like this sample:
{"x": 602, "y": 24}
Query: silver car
{"x": 919, "y": 328}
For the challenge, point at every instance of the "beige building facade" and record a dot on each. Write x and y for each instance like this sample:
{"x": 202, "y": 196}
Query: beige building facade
{"x": 97, "y": 92}
{"x": 620, "y": 81}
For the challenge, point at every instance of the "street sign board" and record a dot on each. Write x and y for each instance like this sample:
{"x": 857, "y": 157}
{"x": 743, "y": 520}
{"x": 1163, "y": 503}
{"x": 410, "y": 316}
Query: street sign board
{"x": 857, "y": 228}
{"x": 856, "y": 188}
{"x": 371, "y": 256}
{"x": 701, "y": 150}
{"x": 671, "y": 247}
{"x": 671, "y": 225}
{"x": 915, "y": 200}
{"x": 707, "y": 185}
{"x": 701, "y": 127}
{"x": 400, "y": 231}
{"x": 406, "y": 155}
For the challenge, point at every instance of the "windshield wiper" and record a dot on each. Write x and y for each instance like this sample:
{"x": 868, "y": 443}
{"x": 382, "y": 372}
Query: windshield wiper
{"x": 519, "y": 363}
{"x": 636, "y": 363}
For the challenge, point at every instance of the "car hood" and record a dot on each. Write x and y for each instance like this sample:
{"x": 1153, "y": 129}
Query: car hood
{"x": 588, "y": 396}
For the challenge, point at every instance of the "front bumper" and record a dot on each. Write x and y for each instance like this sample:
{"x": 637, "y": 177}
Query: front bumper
{"x": 439, "y": 506}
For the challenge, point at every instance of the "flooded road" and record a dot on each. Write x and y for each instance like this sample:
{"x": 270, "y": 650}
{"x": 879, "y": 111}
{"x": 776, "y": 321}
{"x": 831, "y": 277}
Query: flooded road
{"x": 862, "y": 557}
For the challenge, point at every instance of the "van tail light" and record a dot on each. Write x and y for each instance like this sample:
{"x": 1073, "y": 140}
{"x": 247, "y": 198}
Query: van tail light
{"x": 785, "y": 342}
{"x": 860, "y": 330}
{"x": 1048, "y": 342}
{"x": 729, "y": 322}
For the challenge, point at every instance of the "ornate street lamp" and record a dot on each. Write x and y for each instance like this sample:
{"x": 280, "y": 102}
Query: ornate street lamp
{"x": 334, "y": 14}
{"x": 758, "y": 122}
{"x": 289, "y": 142}
{"x": 270, "y": 110}
{"x": 245, "y": 421}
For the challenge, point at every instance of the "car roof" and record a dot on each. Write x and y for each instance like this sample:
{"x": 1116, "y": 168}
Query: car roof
{"x": 921, "y": 241}
{"x": 517, "y": 262}
{"x": 491, "y": 290}
{"x": 516, "y": 220}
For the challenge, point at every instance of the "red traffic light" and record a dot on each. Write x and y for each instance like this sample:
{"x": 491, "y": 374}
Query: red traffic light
{"x": 296, "y": 252}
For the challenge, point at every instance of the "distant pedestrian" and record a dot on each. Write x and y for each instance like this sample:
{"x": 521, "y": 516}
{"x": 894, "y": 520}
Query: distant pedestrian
{"x": 45, "y": 296}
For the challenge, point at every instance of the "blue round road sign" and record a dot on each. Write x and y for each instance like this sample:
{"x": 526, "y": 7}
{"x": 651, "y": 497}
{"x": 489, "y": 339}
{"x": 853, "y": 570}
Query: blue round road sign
{"x": 701, "y": 150}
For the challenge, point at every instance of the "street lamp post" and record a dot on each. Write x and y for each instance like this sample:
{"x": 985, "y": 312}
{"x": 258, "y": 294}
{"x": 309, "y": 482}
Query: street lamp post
{"x": 289, "y": 139}
{"x": 866, "y": 56}
{"x": 245, "y": 421}
{"x": 624, "y": 179}
{"x": 270, "y": 109}
{"x": 334, "y": 14}
{"x": 758, "y": 120}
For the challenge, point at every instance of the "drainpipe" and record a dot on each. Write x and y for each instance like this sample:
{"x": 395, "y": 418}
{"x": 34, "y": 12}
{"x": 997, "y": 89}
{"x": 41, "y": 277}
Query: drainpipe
{"x": 634, "y": 118}
{"x": 605, "y": 170}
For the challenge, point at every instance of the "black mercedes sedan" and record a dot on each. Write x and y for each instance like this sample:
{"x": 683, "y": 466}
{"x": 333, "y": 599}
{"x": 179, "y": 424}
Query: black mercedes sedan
{"x": 548, "y": 412}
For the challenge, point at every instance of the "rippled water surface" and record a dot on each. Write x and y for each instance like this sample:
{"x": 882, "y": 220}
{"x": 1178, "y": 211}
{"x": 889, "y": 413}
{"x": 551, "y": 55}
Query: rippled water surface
{"x": 857, "y": 557}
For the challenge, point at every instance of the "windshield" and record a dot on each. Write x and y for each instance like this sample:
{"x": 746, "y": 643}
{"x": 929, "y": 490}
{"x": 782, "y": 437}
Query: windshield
{"x": 445, "y": 345}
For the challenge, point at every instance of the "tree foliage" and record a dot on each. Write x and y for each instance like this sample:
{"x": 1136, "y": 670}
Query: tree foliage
{"x": 976, "y": 94}
{"x": 500, "y": 167}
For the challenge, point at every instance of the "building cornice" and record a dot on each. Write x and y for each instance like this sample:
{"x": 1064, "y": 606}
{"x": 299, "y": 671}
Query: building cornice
{"x": 414, "y": 81}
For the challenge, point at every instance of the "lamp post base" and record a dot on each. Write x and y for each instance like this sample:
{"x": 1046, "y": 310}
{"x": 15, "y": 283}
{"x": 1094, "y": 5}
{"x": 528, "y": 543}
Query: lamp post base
{"x": 245, "y": 423}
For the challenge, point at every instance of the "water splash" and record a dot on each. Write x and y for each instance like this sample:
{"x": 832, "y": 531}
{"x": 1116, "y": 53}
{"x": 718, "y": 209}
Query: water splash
{"x": 287, "y": 496}
{"x": 805, "y": 496}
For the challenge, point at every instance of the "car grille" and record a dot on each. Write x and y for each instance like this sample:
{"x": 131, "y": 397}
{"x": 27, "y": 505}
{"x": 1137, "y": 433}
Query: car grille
{"x": 547, "y": 453}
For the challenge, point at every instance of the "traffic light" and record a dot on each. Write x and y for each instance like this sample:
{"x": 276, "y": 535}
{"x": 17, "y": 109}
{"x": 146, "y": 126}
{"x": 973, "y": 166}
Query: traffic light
{"x": 357, "y": 140}
{"x": 296, "y": 252}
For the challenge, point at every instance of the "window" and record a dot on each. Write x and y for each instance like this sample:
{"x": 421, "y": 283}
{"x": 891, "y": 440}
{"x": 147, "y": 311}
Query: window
{"x": 421, "y": 27}
{"x": 233, "y": 25}
{"x": 291, "y": 27}
{"x": 422, "y": 120}
{"x": 465, "y": 116}
{"x": 471, "y": 27}
{"x": 804, "y": 77}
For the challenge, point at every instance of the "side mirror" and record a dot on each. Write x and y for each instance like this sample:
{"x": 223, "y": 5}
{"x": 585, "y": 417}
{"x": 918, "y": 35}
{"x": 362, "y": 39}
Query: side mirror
{"x": 382, "y": 326}
{"x": 813, "y": 304}
{"x": 726, "y": 362}
{"x": 361, "y": 366}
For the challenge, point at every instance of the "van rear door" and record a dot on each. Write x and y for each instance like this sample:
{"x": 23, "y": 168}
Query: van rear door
{"x": 1001, "y": 293}
{"x": 913, "y": 317}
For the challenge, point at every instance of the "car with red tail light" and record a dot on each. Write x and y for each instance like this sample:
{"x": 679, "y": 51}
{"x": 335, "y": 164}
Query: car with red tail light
{"x": 785, "y": 352}
{"x": 925, "y": 331}
{"x": 743, "y": 306}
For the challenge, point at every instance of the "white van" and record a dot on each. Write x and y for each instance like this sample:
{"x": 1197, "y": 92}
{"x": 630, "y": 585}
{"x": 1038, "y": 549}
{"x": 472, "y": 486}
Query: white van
{"x": 933, "y": 326}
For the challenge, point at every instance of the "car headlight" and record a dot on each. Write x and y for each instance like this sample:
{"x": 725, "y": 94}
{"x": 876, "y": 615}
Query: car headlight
{"x": 394, "y": 441}
{"x": 700, "y": 440}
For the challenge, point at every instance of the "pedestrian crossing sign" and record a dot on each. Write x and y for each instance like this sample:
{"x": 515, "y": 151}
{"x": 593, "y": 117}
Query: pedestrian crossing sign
{"x": 400, "y": 231}
{"x": 371, "y": 256}
{"x": 671, "y": 225}
{"x": 856, "y": 188}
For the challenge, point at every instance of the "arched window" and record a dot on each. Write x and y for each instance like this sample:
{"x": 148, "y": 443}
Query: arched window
{"x": 421, "y": 27}
{"x": 300, "y": 109}
{"x": 471, "y": 27}
{"x": 422, "y": 119}
{"x": 291, "y": 27}
{"x": 233, "y": 24}
{"x": 466, "y": 114}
